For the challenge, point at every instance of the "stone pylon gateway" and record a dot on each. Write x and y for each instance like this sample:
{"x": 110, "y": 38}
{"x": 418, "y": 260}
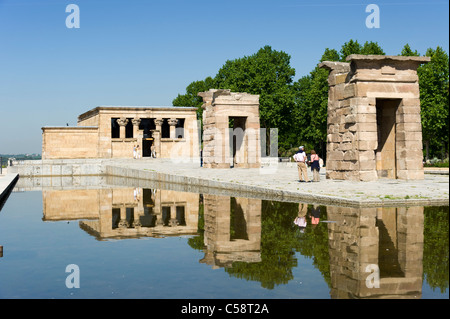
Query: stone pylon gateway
{"x": 231, "y": 129}
{"x": 374, "y": 125}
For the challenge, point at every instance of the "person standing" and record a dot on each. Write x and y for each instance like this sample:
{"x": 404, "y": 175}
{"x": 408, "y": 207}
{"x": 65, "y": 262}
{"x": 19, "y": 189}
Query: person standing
{"x": 153, "y": 151}
{"x": 315, "y": 166}
{"x": 138, "y": 153}
{"x": 301, "y": 158}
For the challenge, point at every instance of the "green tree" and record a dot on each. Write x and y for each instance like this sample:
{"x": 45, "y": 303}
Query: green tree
{"x": 350, "y": 47}
{"x": 407, "y": 51}
{"x": 354, "y": 47}
{"x": 371, "y": 48}
{"x": 434, "y": 86}
{"x": 268, "y": 74}
{"x": 311, "y": 108}
{"x": 191, "y": 98}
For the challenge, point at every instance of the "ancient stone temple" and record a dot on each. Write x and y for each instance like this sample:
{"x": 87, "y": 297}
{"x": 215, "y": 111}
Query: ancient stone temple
{"x": 374, "y": 125}
{"x": 231, "y": 130}
{"x": 114, "y": 132}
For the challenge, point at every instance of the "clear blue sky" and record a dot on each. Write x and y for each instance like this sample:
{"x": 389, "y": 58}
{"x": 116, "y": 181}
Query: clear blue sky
{"x": 145, "y": 52}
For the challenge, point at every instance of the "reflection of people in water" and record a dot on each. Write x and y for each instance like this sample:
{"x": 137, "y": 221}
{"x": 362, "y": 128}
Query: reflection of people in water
{"x": 300, "y": 220}
{"x": 315, "y": 215}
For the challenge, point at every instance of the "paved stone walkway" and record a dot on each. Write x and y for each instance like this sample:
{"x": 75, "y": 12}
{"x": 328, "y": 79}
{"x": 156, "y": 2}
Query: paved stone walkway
{"x": 283, "y": 179}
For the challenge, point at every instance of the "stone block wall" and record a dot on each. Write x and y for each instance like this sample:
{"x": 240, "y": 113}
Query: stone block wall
{"x": 360, "y": 93}
{"x": 69, "y": 142}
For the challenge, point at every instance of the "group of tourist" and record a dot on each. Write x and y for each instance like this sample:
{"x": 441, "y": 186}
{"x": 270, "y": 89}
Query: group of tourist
{"x": 302, "y": 163}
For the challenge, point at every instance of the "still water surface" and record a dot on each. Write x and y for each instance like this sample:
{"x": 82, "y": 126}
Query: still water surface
{"x": 164, "y": 244}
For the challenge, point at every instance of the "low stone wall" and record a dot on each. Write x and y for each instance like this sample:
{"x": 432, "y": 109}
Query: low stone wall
{"x": 107, "y": 173}
{"x": 74, "y": 167}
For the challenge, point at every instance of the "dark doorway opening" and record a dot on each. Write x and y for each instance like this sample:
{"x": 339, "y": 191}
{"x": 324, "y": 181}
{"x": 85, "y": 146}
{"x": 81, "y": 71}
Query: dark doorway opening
{"x": 237, "y": 153}
{"x": 386, "y": 156}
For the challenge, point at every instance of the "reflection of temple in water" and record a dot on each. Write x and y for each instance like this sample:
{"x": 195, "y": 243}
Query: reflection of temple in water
{"x": 360, "y": 240}
{"x": 232, "y": 225}
{"x": 232, "y": 230}
{"x": 121, "y": 213}
{"x": 391, "y": 239}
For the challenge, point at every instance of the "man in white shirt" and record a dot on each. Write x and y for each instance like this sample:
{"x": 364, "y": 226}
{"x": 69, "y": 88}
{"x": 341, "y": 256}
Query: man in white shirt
{"x": 301, "y": 158}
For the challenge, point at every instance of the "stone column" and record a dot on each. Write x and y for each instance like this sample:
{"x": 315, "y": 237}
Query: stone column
{"x": 156, "y": 134}
{"x": 137, "y": 221}
{"x": 172, "y": 123}
{"x": 136, "y": 122}
{"x": 122, "y": 122}
{"x": 173, "y": 216}
{"x": 157, "y": 211}
{"x": 158, "y": 123}
{"x": 123, "y": 223}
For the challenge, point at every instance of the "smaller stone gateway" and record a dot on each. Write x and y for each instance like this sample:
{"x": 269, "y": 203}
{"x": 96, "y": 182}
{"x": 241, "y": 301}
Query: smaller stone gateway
{"x": 374, "y": 127}
{"x": 231, "y": 129}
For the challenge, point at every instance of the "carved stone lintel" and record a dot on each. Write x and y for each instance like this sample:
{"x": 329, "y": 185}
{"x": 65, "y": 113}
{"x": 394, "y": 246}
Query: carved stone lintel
{"x": 122, "y": 121}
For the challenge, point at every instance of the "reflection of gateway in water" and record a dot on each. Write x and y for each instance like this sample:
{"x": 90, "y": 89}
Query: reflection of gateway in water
{"x": 376, "y": 252}
{"x": 232, "y": 230}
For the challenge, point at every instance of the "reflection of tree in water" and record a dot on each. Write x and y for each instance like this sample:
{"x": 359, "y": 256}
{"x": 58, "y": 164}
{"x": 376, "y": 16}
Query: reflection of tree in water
{"x": 436, "y": 247}
{"x": 279, "y": 241}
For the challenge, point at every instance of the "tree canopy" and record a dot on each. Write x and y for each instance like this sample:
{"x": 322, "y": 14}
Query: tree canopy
{"x": 299, "y": 108}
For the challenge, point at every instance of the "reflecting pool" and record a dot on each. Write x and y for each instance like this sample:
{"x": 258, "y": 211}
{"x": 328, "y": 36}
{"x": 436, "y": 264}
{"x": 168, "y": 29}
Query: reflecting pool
{"x": 139, "y": 242}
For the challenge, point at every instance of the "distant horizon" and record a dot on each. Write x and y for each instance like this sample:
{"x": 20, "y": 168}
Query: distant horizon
{"x": 138, "y": 53}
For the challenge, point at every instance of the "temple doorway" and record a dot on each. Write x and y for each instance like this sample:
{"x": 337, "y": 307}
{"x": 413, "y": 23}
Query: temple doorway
{"x": 386, "y": 157}
{"x": 237, "y": 134}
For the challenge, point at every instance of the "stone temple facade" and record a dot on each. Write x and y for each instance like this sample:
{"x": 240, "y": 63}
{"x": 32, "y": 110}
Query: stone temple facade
{"x": 114, "y": 131}
{"x": 374, "y": 125}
